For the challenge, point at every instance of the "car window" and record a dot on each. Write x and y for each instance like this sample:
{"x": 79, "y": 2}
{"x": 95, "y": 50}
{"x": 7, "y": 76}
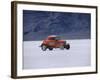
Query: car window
{"x": 57, "y": 38}
{"x": 52, "y": 38}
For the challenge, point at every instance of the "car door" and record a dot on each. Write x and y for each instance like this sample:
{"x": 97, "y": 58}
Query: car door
{"x": 52, "y": 42}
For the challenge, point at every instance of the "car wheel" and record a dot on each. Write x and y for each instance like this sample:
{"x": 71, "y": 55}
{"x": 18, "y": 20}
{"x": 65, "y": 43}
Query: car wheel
{"x": 50, "y": 48}
{"x": 67, "y": 46}
{"x": 62, "y": 47}
{"x": 43, "y": 47}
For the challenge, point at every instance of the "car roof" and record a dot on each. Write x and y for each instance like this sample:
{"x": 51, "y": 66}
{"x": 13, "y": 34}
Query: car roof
{"x": 52, "y": 36}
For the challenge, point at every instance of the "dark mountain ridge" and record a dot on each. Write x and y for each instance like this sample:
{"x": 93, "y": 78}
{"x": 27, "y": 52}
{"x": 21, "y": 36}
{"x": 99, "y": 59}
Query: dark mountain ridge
{"x": 37, "y": 25}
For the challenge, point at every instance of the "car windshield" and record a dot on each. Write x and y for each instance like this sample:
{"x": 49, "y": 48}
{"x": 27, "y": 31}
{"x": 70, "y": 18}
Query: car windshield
{"x": 54, "y": 38}
{"x": 57, "y": 38}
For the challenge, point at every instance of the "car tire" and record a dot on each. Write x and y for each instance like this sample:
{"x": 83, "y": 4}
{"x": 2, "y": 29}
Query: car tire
{"x": 67, "y": 46}
{"x": 43, "y": 47}
{"x": 50, "y": 48}
{"x": 62, "y": 47}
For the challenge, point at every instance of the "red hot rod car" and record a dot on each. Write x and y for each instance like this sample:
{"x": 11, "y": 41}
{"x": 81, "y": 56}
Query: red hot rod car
{"x": 54, "y": 42}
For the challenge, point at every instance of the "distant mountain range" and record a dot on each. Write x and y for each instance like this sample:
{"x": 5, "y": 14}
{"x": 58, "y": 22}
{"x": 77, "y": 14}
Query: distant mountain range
{"x": 37, "y": 25}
